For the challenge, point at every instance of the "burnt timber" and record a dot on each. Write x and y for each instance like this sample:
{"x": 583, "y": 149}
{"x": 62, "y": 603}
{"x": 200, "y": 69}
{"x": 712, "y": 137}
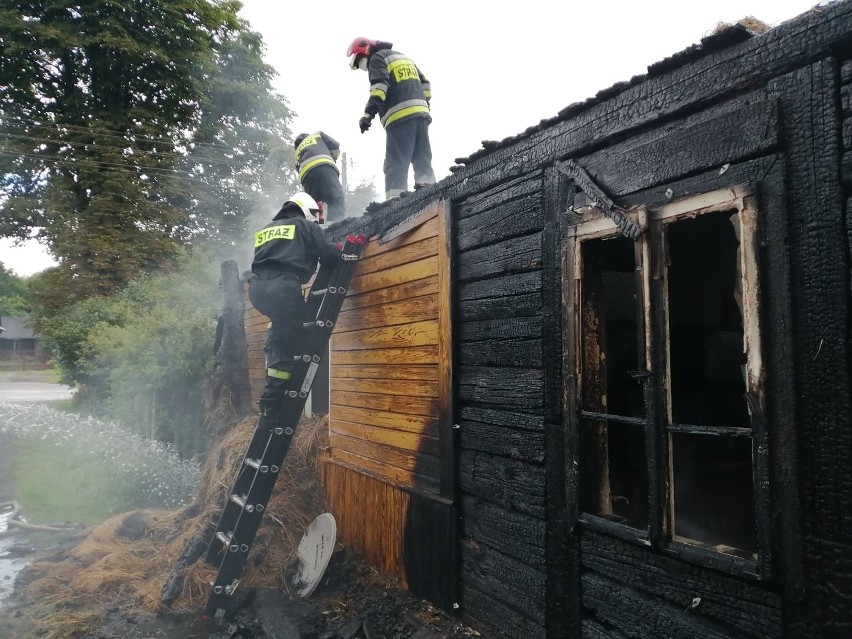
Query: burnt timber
{"x": 485, "y": 449}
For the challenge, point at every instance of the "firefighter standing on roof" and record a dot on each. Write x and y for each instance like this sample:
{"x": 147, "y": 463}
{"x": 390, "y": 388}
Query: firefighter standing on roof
{"x": 286, "y": 252}
{"x": 316, "y": 162}
{"x": 400, "y": 95}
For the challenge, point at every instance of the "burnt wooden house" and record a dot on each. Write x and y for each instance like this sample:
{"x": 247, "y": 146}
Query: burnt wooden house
{"x": 596, "y": 383}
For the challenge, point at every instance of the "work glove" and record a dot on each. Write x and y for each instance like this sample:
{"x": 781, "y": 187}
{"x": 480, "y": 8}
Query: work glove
{"x": 365, "y": 122}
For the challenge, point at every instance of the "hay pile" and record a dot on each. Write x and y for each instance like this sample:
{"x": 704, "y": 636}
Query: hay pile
{"x": 128, "y": 559}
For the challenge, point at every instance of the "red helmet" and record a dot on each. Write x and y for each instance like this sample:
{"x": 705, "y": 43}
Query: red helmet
{"x": 359, "y": 47}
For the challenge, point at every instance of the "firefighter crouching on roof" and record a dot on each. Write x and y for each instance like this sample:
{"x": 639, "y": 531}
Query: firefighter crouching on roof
{"x": 400, "y": 95}
{"x": 316, "y": 162}
{"x": 286, "y": 252}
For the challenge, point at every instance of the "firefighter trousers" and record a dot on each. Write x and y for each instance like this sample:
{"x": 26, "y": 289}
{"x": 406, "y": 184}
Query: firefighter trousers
{"x": 407, "y": 144}
{"x": 323, "y": 184}
{"x": 279, "y": 297}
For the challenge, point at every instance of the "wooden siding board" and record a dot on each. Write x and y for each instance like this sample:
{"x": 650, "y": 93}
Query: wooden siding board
{"x": 494, "y": 618}
{"x": 520, "y": 188}
{"x": 426, "y": 406}
{"x": 518, "y": 535}
{"x": 638, "y": 615}
{"x": 420, "y": 424}
{"x": 509, "y": 219}
{"x": 396, "y": 293}
{"x": 391, "y": 465}
{"x": 722, "y": 134}
{"x": 362, "y": 381}
{"x": 384, "y": 356}
{"x": 513, "y": 582}
{"x": 506, "y": 442}
{"x": 525, "y": 353}
{"x": 501, "y": 386}
{"x": 423, "y": 249}
{"x": 403, "y": 274}
{"x": 380, "y": 375}
{"x": 387, "y": 437}
{"x": 518, "y": 284}
{"x": 401, "y": 312}
{"x": 751, "y": 609}
{"x": 515, "y": 255}
{"x": 510, "y": 483}
{"x": 423, "y": 333}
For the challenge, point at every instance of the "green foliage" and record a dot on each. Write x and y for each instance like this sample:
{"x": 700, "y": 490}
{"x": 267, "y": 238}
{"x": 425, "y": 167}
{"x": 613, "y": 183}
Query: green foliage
{"x": 14, "y": 294}
{"x": 129, "y": 127}
{"x": 143, "y": 354}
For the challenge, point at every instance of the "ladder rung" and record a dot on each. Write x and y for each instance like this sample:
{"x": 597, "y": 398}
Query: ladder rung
{"x": 254, "y": 463}
{"x": 239, "y": 500}
{"x": 302, "y": 358}
{"x": 318, "y": 324}
{"x": 225, "y": 538}
{"x": 318, "y": 293}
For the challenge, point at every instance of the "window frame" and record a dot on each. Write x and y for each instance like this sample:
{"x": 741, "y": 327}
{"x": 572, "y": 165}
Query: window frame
{"x": 651, "y": 269}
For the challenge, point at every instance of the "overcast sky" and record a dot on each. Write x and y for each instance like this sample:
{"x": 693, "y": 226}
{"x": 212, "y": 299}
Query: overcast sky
{"x": 494, "y": 70}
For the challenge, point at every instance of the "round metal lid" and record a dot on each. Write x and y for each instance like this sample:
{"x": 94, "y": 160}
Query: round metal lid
{"x": 315, "y": 552}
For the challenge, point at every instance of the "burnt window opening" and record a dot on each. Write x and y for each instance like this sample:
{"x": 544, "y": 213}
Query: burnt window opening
{"x": 711, "y": 475}
{"x": 667, "y": 448}
{"x": 614, "y": 478}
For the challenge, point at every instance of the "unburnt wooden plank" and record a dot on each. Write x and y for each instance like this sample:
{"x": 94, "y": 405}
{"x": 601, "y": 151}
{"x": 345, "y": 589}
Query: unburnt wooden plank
{"x": 410, "y": 272}
{"x": 402, "y": 312}
{"x": 398, "y": 336}
{"x": 393, "y": 403}
{"x": 411, "y": 462}
{"x": 354, "y": 374}
{"x": 364, "y": 383}
{"x": 385, "y": 356}
{"x": 403, "y": 255}
{"x": 420, "y": 424}
{"x": 386, "y": 437}
{"x": 383, "y": 472}
{"x": 428, "y": 228}
{"x": 396, "y": 293}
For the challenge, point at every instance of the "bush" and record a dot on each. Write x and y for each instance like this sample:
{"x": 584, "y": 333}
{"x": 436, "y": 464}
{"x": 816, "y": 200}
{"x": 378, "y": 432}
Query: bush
{"x": 142, "y": 355}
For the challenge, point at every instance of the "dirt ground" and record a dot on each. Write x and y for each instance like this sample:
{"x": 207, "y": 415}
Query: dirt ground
{"x": 353, "y": 602}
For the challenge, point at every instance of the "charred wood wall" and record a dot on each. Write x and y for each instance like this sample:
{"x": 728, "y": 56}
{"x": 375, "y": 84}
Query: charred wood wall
{"x": 772, "y": 112}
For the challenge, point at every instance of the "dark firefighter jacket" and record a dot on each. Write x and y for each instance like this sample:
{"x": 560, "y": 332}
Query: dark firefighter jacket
{"x": 292, "y": 245}
{"x": 318, "y": 148}
{"x": 398, "y": 89}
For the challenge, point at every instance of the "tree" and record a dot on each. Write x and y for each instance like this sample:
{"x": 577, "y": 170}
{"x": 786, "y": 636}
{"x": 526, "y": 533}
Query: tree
{"x": 14, "y": 294}
{"x": 358, "y": 198}
{"x": 129, "y": 127}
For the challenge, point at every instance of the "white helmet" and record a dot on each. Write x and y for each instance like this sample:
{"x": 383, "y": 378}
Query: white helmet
{"x": 311, "y": 209}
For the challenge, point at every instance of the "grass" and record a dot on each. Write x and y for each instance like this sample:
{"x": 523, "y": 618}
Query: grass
{"x": 56, "y": 484}
{"x": 11, "y": 372}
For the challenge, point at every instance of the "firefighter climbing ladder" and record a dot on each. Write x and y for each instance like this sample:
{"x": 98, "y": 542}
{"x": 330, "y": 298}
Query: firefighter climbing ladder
{"x": 258, "y": 472}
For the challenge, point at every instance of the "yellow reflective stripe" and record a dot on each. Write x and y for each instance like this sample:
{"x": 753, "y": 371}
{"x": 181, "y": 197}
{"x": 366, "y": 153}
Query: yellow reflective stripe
{"x": 403, "y": 69}
{"x": 308, "y": 141}
{"x": 274, "y": 372}
{"x": 268, "y": 326}
{"x": 378, "y": 93}
{"x": 307, "y": 166}
{"x": 286, "y": 232}
{"x": 427, "y": 93}
{"x": 404, "y": 113}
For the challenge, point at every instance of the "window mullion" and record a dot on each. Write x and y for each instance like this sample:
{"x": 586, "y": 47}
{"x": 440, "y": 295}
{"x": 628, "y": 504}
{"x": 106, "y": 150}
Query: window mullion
{"x": 650, "y": 248}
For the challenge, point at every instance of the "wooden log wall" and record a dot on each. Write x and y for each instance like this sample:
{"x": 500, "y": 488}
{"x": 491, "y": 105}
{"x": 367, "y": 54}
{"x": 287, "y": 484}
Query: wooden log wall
{"x": 391, "y": 457}
{"x": 500, "y": 343}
